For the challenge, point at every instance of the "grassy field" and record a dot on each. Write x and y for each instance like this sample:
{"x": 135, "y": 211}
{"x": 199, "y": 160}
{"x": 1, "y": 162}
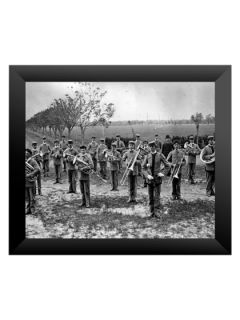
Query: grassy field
{"x": 146, "y": 131}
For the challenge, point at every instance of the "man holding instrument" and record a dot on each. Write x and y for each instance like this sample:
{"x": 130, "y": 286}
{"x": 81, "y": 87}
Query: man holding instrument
{"x": 101, "y": 157}
{"x": 192, "y": 150}
{"x": 152, "y": 165}
{"x": 130, "y": 156}
{"x": 208, "y": 153}
{"x": 45, "y": 150}
{"x": 38, "y": 158}
{"x": 114, "y": 159}
{"x": 31, "y": 171}
{"x": 85, "y": 168}
{"x": 178, "y": 160}
{"x": 92, "y": 149}
{"x": 70, "y": 154}
{"x": 57, "y": 154}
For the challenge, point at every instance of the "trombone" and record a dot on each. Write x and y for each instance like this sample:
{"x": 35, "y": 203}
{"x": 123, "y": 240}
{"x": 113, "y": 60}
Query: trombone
{"x": 130, "y": 167}
{"x": 175, "y": 172}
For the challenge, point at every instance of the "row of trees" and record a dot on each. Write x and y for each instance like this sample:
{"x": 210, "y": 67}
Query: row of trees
{"x": 86, "y": 107}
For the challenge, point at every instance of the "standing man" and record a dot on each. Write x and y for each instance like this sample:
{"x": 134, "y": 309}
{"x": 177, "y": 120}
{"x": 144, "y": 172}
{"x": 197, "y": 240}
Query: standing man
{"x": 45, "y": 150}
{"x": 92, "y": 149}
{"x": 158, "y": 143}
{"x": 69, "y": 154}
{"x": 102, "y": 158}
{"x": 167, "y": 146}
{"x": 114, "y": 158}
{"x": 192, "y": 150}
{"x": 120, "y": 147}
{"x": 132, "y": 175}
{"x": 57, "y": 154}
{"x": 178, "y": 160}
{"x": 152, "y": 166}
{"x": 38, "y": 159}
{"x": 63, "y": 146}
{"x": 147, "y": 150}
{"x": 208, "y": 153}
{"x": 85, "y": 176}
{"x": 138, "y": 142}
{"x": 31, "y": 171}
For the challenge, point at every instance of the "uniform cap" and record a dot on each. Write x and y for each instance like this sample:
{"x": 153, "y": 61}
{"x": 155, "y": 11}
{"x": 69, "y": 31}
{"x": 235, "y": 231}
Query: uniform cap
{"x": 117, "y": 135}
{"x": 56, "y": 141}
{"x": 83, "y": 146}
{"x": 137, "y": 135}
{"x": 44, "y": 138}
{"x": 145, "y": 141}
{"x": 210, "y": 137}
{"x": 93, "y": 137}
{"x": 176, "y": 141}
{"x": 63, "y": 136}
{"x": 191, "y": 137}
{"x": 102, "y": 139}
{"x": 131, "y": 142}
{"x": 156, "y": 135}
{"x": 167, "y": 136}
{"x": 70, "y": 141}
{"x": 34, "y": 143}
{"x": 152, "y": 143}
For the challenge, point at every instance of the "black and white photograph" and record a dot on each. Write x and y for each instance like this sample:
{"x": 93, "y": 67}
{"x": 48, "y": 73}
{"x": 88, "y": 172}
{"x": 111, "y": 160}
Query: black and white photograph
{"x": 127, "y": 160}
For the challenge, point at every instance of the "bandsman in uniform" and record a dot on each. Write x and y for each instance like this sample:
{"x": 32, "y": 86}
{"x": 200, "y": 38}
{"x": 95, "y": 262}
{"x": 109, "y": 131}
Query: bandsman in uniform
{"x": 192, "y": 150}
{"x": 132, "y": 176}
{"x": 158, "y": 143}
{"x": 57, "y": 155}
{"x": 38, "y": 158}
{"x": 45, "y": 150}
{"x": 30, "y": 177}
{"x": 148, "y": 150}
{"x": 102, "y": 158}
{"x": 177, "y": 162}
{"x": 208, "y": 154}
{"x": 120, "y": 147}
{"x": 63, "y": 146}
{"x": 92, "y": 149}
{"x": 152, "y": 166}
{"x": 138, "y": 142}
{"x": 69, "y": 154}
{"x": 114, "y": 158}
{"x": 85, "y": 176}
{"x": 167, "y": 146}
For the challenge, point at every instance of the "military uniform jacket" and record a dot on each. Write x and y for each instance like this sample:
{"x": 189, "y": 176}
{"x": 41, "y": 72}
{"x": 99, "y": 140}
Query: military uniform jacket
{"x": 207, "y": 151}
{"x": 70, "y": 164}
{"x": 38, "y": 158}
{"x": 176, "y": 156}
{"x": 92, "y": 148}
{"x": 167, "y": 147}
{"x": 63, "y": 145}
{"x": 100, "y": 155}
{"x": 88, "y": 159}
{"x": 192, "y": 149}
{"x": 114, "y": 164}
{"x": 148, "y": 169}
{"x": 34, "y": 164}
{"x": 129, "y": 156}
{"x": 120, "y": 146}
{"x": 57, "y": 154}
{"x": 158, "y": 145}
{"x": 45, "y": 149}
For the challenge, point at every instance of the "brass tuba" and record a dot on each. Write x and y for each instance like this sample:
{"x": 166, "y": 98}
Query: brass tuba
{"x": 212, "y": 160}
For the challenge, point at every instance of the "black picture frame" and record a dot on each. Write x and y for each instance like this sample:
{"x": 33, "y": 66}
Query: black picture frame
{"x": 19, "y": 75}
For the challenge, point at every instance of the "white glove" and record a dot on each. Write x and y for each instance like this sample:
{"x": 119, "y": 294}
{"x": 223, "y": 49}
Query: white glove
{"x": 149, "y": 177}
{"x": 148, "y": 165}
{"x": 160, "y": 174}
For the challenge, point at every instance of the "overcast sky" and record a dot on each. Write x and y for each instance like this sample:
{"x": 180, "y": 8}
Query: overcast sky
{"x": 134, "y": 100}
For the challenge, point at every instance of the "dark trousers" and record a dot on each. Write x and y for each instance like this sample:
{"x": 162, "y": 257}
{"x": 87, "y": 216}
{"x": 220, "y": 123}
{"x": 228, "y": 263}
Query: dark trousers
{"x": 38, "y": 184}
{"x": 58, "y": 171}
{"x": 103, "y": 169}
{"x": 132, "y": 187}
{"x": 64, "y": 164}
{"x": 191, "y": 171}
{"x": 45, "y": 166}
{"x": 114, "y": 179}
{"x": 85, "y": 191}
{"x": 176, "y": 186}
{"x": 72, "y": 180}
{"x": 210, "y": 175}
{"x": 30, "y": 199}
{"x": 154, "y": 196}
{"x": 94, "y": 163}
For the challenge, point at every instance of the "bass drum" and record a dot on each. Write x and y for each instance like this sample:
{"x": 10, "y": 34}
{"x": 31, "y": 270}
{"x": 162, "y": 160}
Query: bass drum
{"x": 207, "y": 161}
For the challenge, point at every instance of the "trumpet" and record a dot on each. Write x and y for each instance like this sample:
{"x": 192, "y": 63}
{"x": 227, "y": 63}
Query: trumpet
{"x": 110, "y": 157}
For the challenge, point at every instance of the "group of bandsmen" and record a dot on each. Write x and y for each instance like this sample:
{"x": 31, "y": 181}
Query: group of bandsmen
{"x": 146, "y": 159}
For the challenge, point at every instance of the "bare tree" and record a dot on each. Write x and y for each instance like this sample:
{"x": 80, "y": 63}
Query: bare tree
{"x": 197, "y": 119}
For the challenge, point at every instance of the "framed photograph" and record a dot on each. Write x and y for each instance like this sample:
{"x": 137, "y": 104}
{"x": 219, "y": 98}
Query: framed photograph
{"x": 120, "y": 159}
